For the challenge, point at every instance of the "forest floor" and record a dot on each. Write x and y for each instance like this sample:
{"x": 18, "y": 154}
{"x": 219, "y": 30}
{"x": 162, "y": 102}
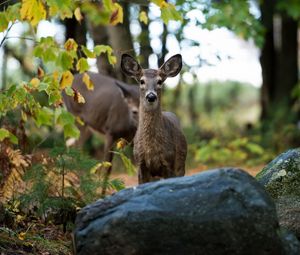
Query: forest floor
{"x": 131, "y": 181}
{"x": 35, "y": 237}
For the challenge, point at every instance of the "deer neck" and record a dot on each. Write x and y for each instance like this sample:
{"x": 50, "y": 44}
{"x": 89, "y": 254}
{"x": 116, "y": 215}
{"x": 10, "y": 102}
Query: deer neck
{"x": 150, "y": 122}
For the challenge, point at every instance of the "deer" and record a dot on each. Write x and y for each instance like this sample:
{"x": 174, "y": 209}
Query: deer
{"x": 110, "y": 109}
{"x": 160, "y": 147}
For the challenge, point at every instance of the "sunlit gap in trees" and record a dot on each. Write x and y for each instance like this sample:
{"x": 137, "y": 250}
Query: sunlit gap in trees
{"x": 209, "y": 55}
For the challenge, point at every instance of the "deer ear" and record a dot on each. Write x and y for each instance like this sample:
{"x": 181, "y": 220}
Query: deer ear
{"x": 172, "y": 66}
{"x": 130, "y": 66}
{"x": 126, "y": 92}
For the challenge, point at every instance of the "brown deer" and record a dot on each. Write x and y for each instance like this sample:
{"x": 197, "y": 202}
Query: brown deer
{"x": 110, "y": 109}
{"x": 160, "y": 147}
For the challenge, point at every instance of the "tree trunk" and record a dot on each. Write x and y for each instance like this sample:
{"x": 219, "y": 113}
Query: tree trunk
{"x": 144, "y": 40}
{"x": 267, "y": 58}
{"x": 192, "y": 104}
{"x": 164, "y": 36}
{"x": 76, "y": 31}
{"x": 121, "y": 41}
{"x": 4, "y": 69}
{"x": 100, "y": 36}
{"x": 287, "y": 66}
{"x": 279, "y": 62}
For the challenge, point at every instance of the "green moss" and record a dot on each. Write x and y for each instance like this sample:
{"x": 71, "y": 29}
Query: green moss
{"x": 281, "y": 177}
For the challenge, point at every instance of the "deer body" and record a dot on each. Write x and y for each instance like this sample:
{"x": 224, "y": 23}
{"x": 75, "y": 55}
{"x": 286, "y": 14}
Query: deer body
{"x": 159, "y": 145}
{"x": 110, "y": 109}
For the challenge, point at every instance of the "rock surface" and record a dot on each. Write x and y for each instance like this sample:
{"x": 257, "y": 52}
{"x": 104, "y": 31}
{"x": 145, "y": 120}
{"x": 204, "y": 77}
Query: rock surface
{"x": 217, "y": 212}
{"x": 281, "y": 178}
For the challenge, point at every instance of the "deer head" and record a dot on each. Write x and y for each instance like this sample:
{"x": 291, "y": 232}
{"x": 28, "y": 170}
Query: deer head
{"x": 151, "y": 80}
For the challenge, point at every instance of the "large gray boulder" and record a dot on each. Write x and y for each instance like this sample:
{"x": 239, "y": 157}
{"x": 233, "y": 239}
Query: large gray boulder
{"x": 281, "y": 179}
{"x": 223, "y": 211}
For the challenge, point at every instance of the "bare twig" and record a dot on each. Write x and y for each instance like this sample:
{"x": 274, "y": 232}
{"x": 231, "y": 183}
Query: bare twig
{"x": 6, "y": 34}
{"x": 21, "y": 37}
{"x": 5, "y": 2}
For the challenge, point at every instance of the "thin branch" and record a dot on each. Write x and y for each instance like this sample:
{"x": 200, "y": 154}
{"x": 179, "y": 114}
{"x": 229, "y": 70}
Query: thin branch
{"x": 5, "y": 2}
{"x": 6, "y": 34}
{"x": 139, "y": 2}
{"x": 21, "y": 37}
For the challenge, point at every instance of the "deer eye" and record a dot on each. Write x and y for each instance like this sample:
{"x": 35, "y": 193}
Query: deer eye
{"x": 159, "y": 82}
{"x": 142, "y": 82}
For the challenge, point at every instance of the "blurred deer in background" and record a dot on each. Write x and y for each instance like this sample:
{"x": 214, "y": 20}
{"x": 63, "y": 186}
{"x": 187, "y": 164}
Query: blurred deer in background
{"x": 110, "y": 109}
{"x": 160, "y": 147}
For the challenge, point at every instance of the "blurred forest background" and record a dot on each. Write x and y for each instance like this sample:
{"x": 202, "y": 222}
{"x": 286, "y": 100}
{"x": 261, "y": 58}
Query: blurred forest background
{"x": 226, "y": 122}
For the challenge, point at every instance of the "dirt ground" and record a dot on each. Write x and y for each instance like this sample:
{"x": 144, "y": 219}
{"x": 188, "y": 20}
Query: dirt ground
{"x": 131, "y": 181}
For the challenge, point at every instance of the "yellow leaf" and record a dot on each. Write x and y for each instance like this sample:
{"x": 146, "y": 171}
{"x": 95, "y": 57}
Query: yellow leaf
{"x": 22, "y": 235}
{"x": 35, "y": 82}
{"x": 78, "y": 15}
{"x": 55, "y": 75}
{"x": 143, "y": 17}
{"x": 121, "y": 144}
{"x": 106, "y": 164}
{"x": 24, "y": 116}
{"x": 94, "y": 169}
{"x": 117, "y": 15}
{"x": 66, "y": 79}
{"x": 163, "y": 4}
{"x": 160, "y": 3}
{"x": 79, "y": 121}
{"x": 81, "y": 99}
{"x": 78, "y": 97}
{"x": 86, "y": 79}
{"x": 70, "y": 45}
{"x": 33, "y": 11}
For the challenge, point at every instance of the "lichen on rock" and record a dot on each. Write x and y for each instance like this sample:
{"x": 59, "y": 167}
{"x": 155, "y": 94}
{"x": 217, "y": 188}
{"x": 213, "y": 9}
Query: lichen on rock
{"x": 281, "y": 177}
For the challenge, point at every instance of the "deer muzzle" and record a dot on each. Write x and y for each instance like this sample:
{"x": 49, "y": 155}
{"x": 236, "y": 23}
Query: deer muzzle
{"x": 151, "y": 96}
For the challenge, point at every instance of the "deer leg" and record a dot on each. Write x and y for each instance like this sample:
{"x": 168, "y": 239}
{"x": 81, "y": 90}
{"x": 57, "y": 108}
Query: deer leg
{"x": 143, "y": 174}
{"x": 85, "y": 134}
{"x": 108, "y": 157}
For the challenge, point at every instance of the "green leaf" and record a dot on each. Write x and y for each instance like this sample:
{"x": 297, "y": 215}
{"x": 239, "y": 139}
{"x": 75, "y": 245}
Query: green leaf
{"x": 130, "y": 168}
{"x": 99, "y": 49}
{"x": 108, "y": 5}
{"x": 13, "y": 138}
{"x": 255, "y": 148}
{"x": 63, "y": 8}
{"x": 44, "y": 116}
{"x": 70, "y": 130}
{"x": 47, "y": 49}
{"x": 96, "y": 16}
{"x": 65, "y": 118}
{"x": 4, "y": 133}
{"x": 117, "y": 184}
{"x": 169, "y": 12}
{"x": 87, "y": 52}
{"x": 82, "y": 65}
{"x": 65, "y": 60}
{"x": 69, "y": 91}
{"x": 3, "y": 21}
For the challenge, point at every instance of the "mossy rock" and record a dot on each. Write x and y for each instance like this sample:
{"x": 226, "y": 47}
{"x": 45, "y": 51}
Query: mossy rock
{"x": 281, "y": 178}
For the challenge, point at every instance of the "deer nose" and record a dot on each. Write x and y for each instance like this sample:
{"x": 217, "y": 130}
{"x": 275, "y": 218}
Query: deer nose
{"x": 151, "y": 97}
